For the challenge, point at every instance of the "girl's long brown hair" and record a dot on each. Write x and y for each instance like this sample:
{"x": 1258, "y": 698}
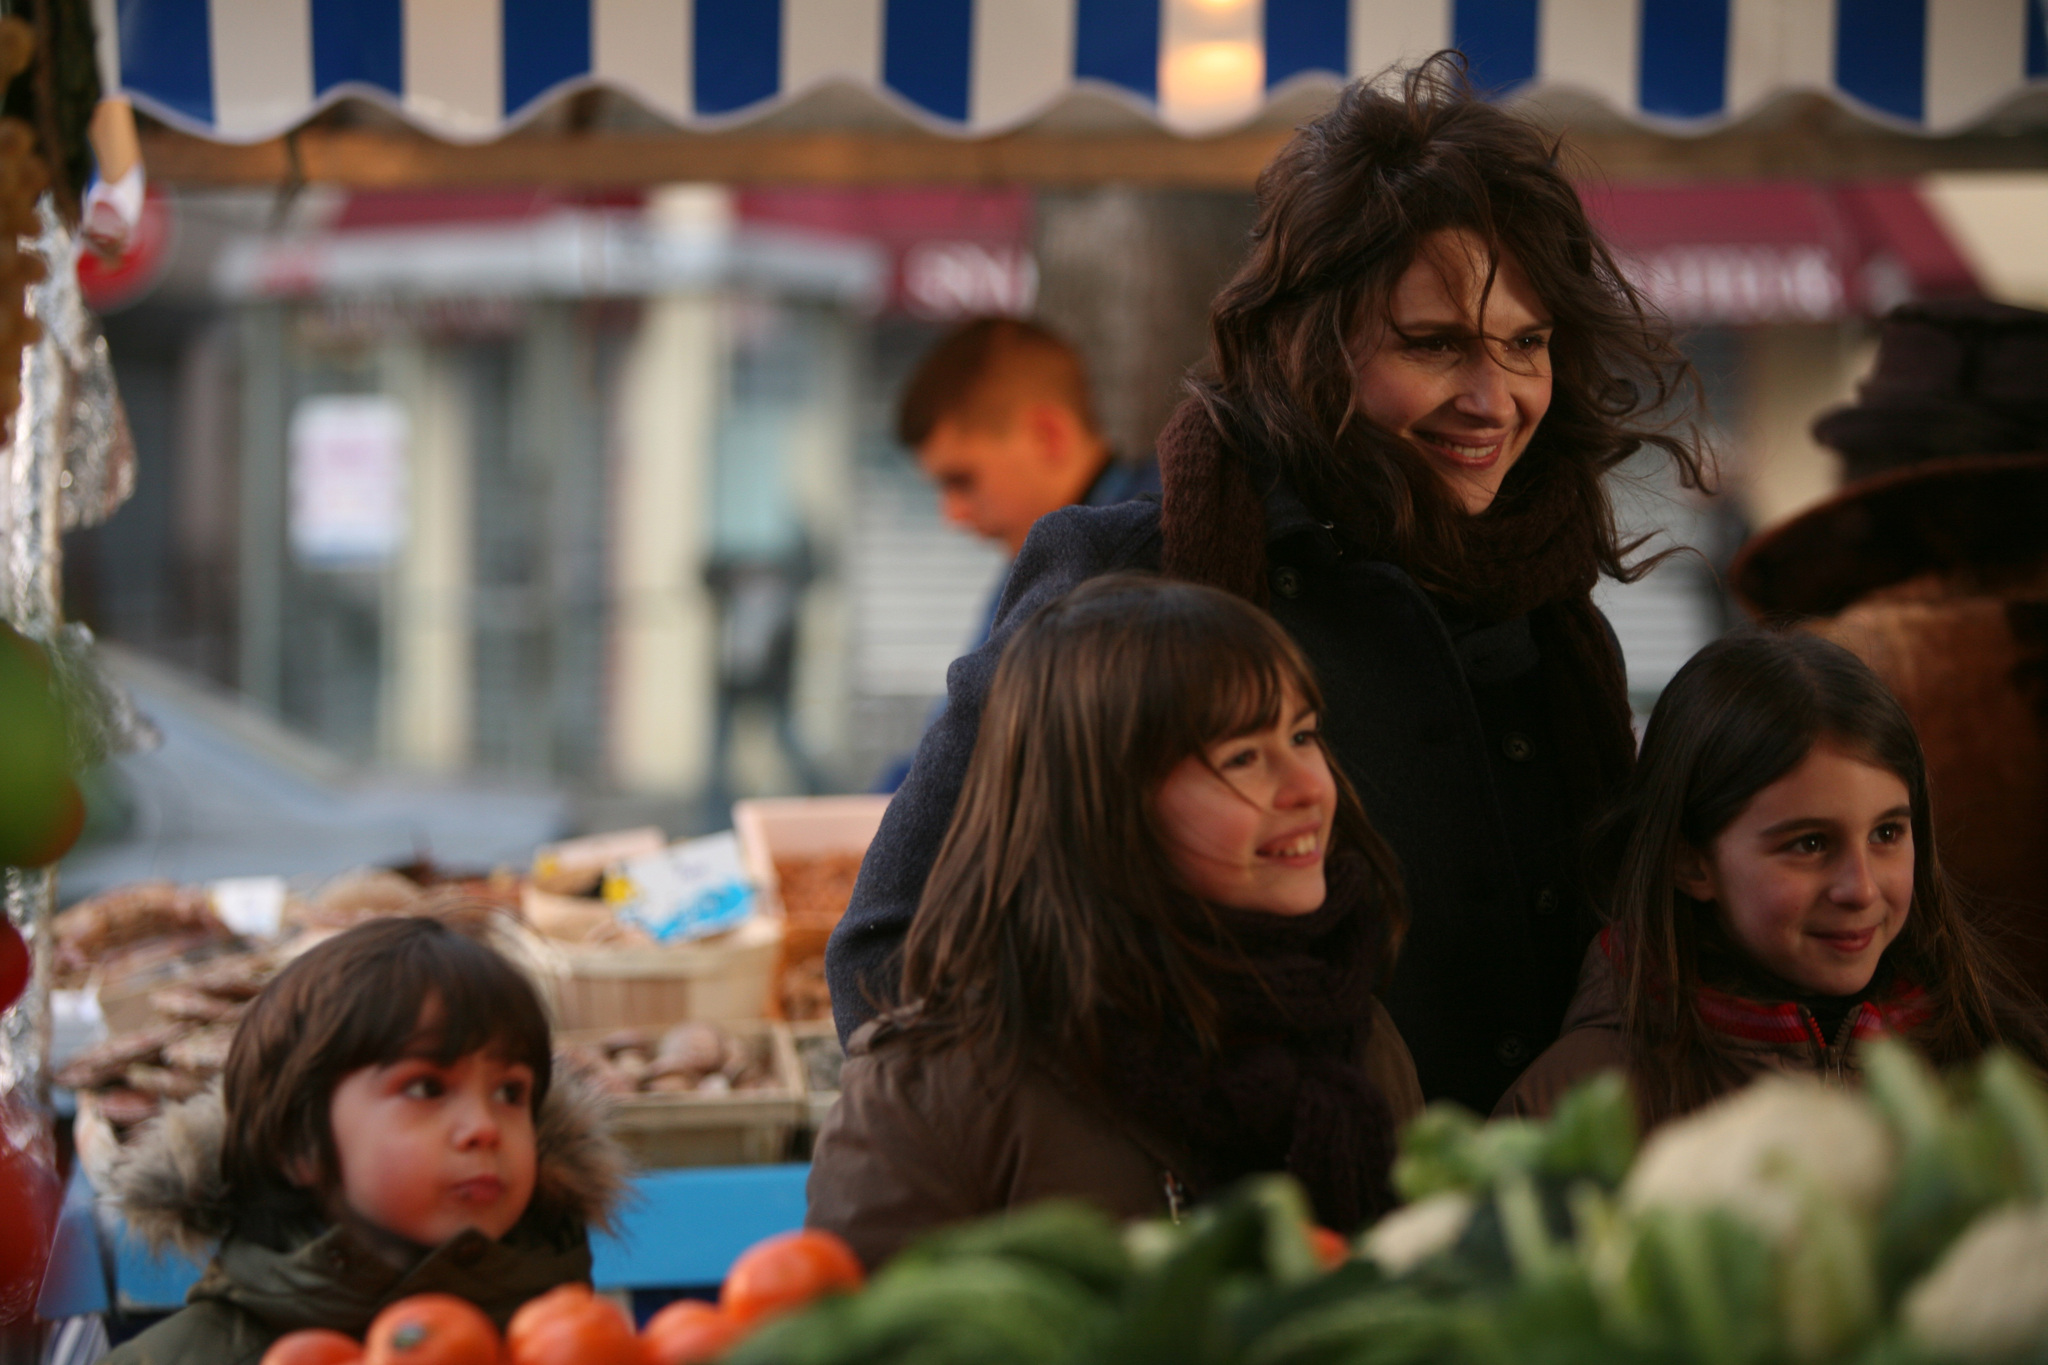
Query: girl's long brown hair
{"x": 1741, "y": 714}
{"x": 1344, "y": 210}
{"x": 1053, "y": 908}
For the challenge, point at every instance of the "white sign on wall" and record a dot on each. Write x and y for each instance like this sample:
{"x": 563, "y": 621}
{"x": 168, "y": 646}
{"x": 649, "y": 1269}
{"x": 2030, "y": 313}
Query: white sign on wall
{"x": 944, "y": 280}
{"x": 347, "y": 480}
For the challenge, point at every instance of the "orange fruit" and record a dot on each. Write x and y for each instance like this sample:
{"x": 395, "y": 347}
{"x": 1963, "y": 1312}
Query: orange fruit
{"x": 786, "y": 1272}
{"x": 314, "y": 1346}
{"x": 432, "y": 1329}
{"x": 690, "y": 1332}
{"x": 572, "y": 1326}
{"x": 1331, "y": 1248}
{"x": 564, "y": 1298}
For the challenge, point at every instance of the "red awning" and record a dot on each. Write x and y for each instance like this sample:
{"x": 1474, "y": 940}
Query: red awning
{"x": 1755, "y": 253}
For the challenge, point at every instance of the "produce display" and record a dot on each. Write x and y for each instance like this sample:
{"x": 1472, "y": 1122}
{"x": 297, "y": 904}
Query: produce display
{"x": 815, "y": 891}
{"x": 690, "y": 1058}
{"x": 574, "y": 1326}
{"x": 1790, "y": 1223}
{"x": 172, "y": 978}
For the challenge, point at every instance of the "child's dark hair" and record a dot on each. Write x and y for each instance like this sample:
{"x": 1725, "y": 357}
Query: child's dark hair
{"x": 359, "y": 1000}
{"x": 1053, "y": 907}
{"x": 1741, "y": 714}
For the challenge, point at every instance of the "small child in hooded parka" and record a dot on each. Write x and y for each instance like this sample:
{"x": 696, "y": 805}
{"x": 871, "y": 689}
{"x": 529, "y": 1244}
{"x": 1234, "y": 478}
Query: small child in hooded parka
{"x": 388, "y": 1125}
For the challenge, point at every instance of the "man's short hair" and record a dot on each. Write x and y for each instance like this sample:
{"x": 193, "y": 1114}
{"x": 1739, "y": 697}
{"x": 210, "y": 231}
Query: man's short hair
{"x": 983, "y": 370}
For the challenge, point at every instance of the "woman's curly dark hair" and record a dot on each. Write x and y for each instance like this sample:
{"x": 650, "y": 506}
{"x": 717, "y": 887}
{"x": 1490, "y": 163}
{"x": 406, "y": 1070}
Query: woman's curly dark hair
{"x": 1343, "y": 210}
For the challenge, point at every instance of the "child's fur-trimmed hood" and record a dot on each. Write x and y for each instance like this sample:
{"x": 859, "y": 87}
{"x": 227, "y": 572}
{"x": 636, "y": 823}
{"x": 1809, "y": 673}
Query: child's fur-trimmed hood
{"x": 167, "y": 1182}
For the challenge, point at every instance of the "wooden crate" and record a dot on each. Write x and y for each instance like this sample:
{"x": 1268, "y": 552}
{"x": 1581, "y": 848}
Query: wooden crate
{"x": 748, "y": 1128}
{"x": 726, "y": 976}
{"x": 798, "y": 827}
{"x": 819, "y": 1098}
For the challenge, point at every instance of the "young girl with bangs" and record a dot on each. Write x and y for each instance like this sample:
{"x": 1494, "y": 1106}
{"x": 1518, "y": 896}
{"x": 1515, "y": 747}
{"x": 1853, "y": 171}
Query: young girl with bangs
{"x": 1776, "y": 895}
{"x": 1146, "y": 960}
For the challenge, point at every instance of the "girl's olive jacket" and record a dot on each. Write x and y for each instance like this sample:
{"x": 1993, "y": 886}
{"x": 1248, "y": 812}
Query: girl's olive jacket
{"x": 1762, "y": 1035}
{"x": 917, "y": 1141}
{"x": 1458, "y": 775}
{"x": 168, "y": 1189}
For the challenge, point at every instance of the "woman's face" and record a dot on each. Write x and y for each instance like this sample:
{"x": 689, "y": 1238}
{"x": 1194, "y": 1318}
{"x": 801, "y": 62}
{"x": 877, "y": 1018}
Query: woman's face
{"x": 1246, "y": 823}
{"x": 1461, "y": 371}
{"x": 1815, "y": 877}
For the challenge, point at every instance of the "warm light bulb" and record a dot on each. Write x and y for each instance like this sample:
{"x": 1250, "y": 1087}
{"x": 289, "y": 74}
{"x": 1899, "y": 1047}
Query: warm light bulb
{"x": 1212, "y": 83}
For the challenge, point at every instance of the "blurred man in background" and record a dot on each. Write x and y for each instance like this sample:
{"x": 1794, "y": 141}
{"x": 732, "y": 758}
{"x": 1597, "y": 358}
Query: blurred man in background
{"x": 1000, "y": 417}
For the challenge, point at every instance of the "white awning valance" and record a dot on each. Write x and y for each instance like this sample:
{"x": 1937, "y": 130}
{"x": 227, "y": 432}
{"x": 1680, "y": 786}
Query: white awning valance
{"x": 470, "y": 70}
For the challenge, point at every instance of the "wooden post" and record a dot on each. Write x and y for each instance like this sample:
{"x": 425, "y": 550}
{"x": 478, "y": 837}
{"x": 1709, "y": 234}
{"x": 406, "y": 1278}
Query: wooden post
{"x": 1127, "y": 275}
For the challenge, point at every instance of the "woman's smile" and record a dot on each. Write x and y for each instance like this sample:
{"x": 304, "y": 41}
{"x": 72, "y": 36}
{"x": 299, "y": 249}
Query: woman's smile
{"x": 1474, "y": 458}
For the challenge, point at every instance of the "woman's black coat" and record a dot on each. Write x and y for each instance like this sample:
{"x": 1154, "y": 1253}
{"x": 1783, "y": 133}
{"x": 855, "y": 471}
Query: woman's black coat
{"x": 1453, "y": 786}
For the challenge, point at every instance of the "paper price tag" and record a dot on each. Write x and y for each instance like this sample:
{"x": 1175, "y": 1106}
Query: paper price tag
{"x": 686, "y": 891}
{"x": 251, "y": 906}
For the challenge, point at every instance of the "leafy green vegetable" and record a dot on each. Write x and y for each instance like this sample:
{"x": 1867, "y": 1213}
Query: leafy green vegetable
{"x": 1787, "y": 1225}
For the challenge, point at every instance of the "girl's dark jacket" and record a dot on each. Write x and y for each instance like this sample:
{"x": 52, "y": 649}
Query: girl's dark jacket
{"x": 1459, "y": 775}
{"x": 917, "y": 1141}
{"x": 168, "y": 1189}
{"x": 1759, "y": 1035}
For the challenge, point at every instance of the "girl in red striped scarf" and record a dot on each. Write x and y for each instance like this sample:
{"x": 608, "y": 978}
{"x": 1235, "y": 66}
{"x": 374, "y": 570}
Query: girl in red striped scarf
{"x": 1774, "y": 896}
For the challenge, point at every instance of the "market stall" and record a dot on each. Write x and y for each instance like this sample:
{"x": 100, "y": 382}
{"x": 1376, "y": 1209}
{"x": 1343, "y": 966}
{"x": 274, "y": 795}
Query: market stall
{"x": 1053, "y": 92}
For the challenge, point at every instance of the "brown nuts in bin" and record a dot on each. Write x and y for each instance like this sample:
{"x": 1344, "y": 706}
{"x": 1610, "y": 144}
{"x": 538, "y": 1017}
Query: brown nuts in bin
{"x": 694, "y": 1058}
{"x": 694, "y": 1047}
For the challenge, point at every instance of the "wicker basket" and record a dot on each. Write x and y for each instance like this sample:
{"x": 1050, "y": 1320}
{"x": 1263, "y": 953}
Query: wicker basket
{"x": 727, "y": 976}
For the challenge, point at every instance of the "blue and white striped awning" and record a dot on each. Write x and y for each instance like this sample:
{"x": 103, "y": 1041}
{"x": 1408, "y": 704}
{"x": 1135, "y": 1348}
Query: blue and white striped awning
{"x": 244, "y": 70}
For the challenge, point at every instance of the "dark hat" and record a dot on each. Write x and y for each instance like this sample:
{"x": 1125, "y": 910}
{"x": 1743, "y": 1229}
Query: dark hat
{"x": 1978, "y": 520}
{"x": 1953, "y": 377}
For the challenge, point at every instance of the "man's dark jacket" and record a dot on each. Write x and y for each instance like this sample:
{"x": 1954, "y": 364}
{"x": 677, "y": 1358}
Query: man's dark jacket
{"x": 1457, "y": 777}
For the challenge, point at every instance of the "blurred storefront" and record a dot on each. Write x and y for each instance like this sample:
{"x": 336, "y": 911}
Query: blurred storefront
{"x": 595, "y": 485}
{"x": 593, "y": 491}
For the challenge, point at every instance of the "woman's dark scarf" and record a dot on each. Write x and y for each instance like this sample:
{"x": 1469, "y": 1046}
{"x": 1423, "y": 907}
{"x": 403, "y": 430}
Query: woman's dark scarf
{"x": 1212, "y": 527}
{"x": 1285, "y": 1090}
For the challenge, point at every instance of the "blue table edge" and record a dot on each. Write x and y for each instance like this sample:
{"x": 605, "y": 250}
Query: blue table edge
{"x": 676, "y": 1229}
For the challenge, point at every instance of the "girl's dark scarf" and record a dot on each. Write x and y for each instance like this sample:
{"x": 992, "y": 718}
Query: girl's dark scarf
{"x": 1287, "y": 1089}
{"x": 1212, "y": 528}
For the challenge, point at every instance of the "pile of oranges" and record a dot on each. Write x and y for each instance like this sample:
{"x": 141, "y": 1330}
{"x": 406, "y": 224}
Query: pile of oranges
{"x": 574, "y": 1326}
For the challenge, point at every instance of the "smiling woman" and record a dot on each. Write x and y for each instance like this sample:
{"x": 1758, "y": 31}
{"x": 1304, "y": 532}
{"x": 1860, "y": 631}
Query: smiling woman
{"x": 1417, "y": 381}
